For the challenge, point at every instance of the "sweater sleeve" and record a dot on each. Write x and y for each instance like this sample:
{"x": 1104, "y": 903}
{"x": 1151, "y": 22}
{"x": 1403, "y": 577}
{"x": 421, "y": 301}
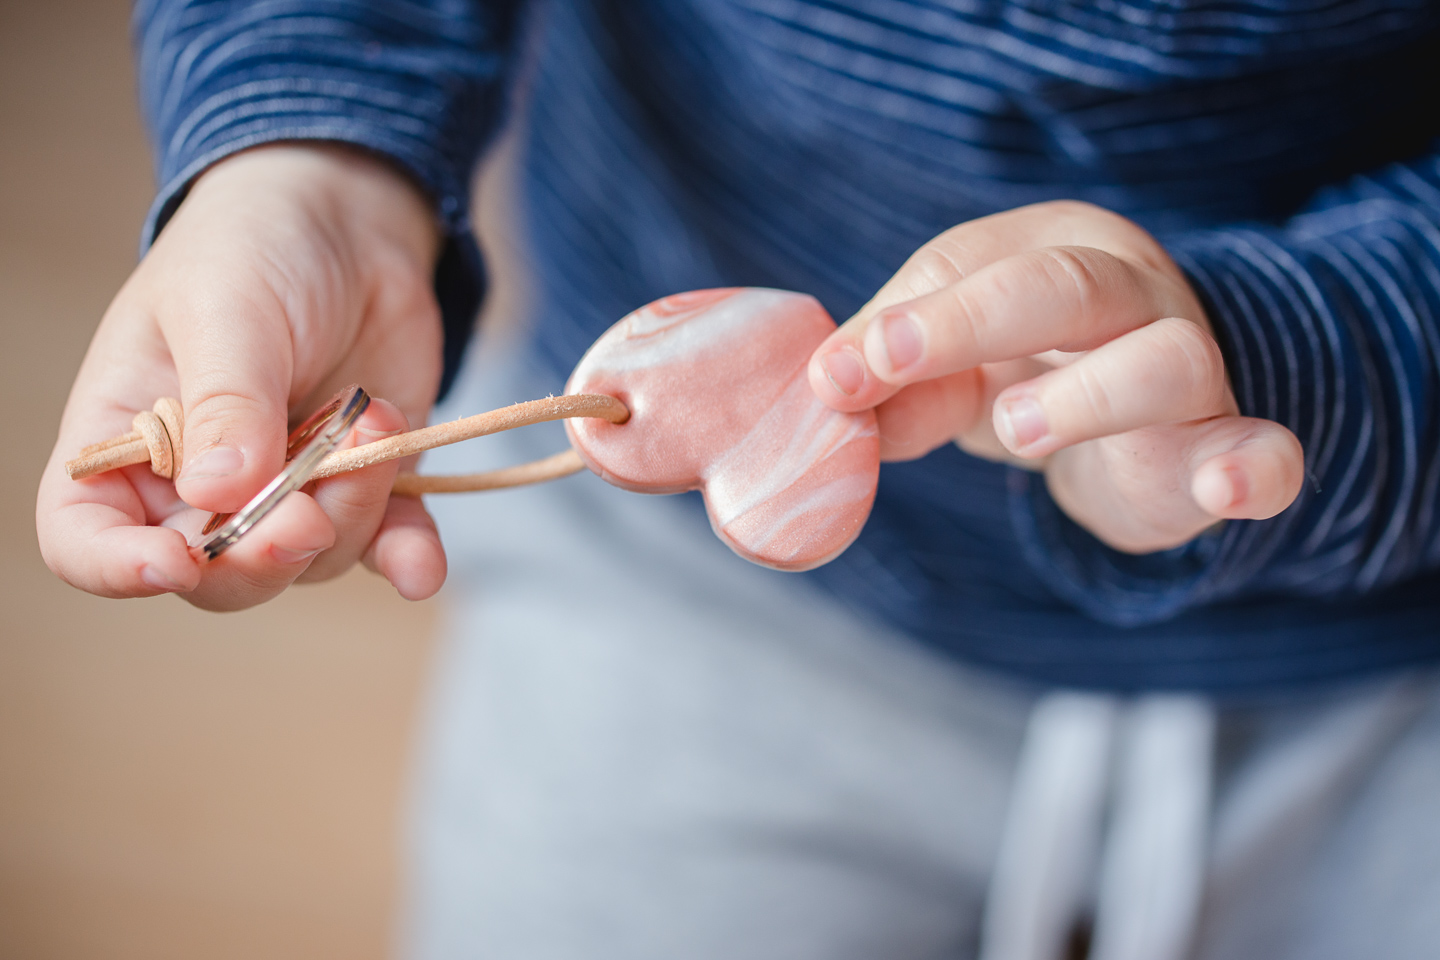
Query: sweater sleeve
{"x": 1330, "y": 325}
{"x": 420, "y": 82}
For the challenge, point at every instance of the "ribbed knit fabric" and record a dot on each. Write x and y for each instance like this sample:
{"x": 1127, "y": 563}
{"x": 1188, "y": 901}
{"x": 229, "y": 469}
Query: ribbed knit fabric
{"x": 1279, "y": 148}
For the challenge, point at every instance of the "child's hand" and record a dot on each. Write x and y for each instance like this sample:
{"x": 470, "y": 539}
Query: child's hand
{"x": 1062, "y": 337}
{"x": 288, "y": 272}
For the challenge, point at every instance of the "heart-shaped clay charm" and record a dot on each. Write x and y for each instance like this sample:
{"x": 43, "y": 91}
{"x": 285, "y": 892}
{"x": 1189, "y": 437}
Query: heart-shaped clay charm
{"x": 720, "y": 402}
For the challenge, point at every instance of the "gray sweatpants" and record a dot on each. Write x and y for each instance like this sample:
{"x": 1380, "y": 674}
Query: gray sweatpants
{"x": 639, "y": 746}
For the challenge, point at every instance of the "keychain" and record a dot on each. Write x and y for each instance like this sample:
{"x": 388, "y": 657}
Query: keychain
{"x": 698, "y": 391}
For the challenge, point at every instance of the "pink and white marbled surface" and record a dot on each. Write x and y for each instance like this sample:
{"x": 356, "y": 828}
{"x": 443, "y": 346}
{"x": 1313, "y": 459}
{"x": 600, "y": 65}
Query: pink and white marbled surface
{"x": 719, "y": 399}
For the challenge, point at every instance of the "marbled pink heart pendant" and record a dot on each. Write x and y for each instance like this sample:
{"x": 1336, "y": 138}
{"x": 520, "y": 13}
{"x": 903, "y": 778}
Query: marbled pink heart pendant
{"x": 719, "y": 400}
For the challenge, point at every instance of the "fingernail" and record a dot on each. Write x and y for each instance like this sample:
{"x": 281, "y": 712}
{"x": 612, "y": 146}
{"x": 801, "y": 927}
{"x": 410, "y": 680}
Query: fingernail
{"x": 1022, "y": 421}
{"x": 158, "y": 579}
{"x": 1239, "y": 486}
{"x": 213, "y": 463}
{"x": 1219, "y": 491}
{"x": 902, "y": 340}
{"x": 845, "y": 371}
{"x": 291, "y": 556}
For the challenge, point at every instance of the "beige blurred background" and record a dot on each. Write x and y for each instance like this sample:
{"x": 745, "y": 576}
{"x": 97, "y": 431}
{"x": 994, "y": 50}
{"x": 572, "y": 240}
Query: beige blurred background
{"x": 172, "y": 783}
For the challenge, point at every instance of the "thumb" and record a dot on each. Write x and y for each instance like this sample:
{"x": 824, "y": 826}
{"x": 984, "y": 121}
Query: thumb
{"x": 235, "y": 370}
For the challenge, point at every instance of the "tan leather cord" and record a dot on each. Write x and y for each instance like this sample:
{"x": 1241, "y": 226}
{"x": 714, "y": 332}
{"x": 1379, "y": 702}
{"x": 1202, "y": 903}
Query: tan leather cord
{"x": 157, "y": 436}
{"x": 537, "y": 471}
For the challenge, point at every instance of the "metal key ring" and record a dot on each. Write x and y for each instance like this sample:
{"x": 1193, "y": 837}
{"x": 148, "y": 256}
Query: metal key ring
{"x": 306, "y": 446}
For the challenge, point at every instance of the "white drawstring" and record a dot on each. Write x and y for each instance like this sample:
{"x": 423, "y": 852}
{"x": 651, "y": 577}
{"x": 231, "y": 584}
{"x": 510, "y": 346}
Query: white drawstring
{"x": 1152, "y": 871}
{"x": 1152, "y": 758}
{"x": 1042, "y": 877}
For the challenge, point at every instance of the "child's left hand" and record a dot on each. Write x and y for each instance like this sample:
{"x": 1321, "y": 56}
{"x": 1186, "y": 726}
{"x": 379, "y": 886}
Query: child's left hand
{"x": 1063, "y": 338}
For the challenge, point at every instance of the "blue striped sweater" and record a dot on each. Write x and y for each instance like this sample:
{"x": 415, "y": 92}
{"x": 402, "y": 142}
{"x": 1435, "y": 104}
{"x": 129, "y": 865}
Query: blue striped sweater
{"x": 1281, "y": 149}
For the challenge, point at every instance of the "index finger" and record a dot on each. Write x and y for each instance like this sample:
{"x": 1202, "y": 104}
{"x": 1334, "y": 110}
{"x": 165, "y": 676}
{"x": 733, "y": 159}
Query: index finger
{"x": 838, "y": 370}
{"x": 1054, "y": 298}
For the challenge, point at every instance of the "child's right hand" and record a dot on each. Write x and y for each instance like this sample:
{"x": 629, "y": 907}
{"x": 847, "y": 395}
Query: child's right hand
{"x": 1062, "y": 337}
{"x": 287, "y": 272}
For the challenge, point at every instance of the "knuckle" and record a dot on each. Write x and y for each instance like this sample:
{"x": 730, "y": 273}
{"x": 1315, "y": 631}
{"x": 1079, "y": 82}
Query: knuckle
{"x": 1092, "y": 225}
{"x": 1194, "y": 358}
{"x": 959, "y": 326}
{"x": 1091, "y": 394}
{"x": 211, "y": 416}
{"x": 1108, "y": 294}
{"x": 1081, "y": 275}
{"x": 110, "y": 582}
{"x": 327, "y": 566}
{"x": 1067, "y": 209}
{"x": 360, "y": 497}
{"x": 254, "y": 586}
{"x": 934, "y": 266}
{"x": 396, "y": 278}
{"x": 266, "y": 575}
{"x": 222, "y": 406}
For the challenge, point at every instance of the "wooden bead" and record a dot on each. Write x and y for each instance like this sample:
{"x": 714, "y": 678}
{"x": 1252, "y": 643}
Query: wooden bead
{"x": 157, "y": 443}
{"x": 172, "y": 415}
